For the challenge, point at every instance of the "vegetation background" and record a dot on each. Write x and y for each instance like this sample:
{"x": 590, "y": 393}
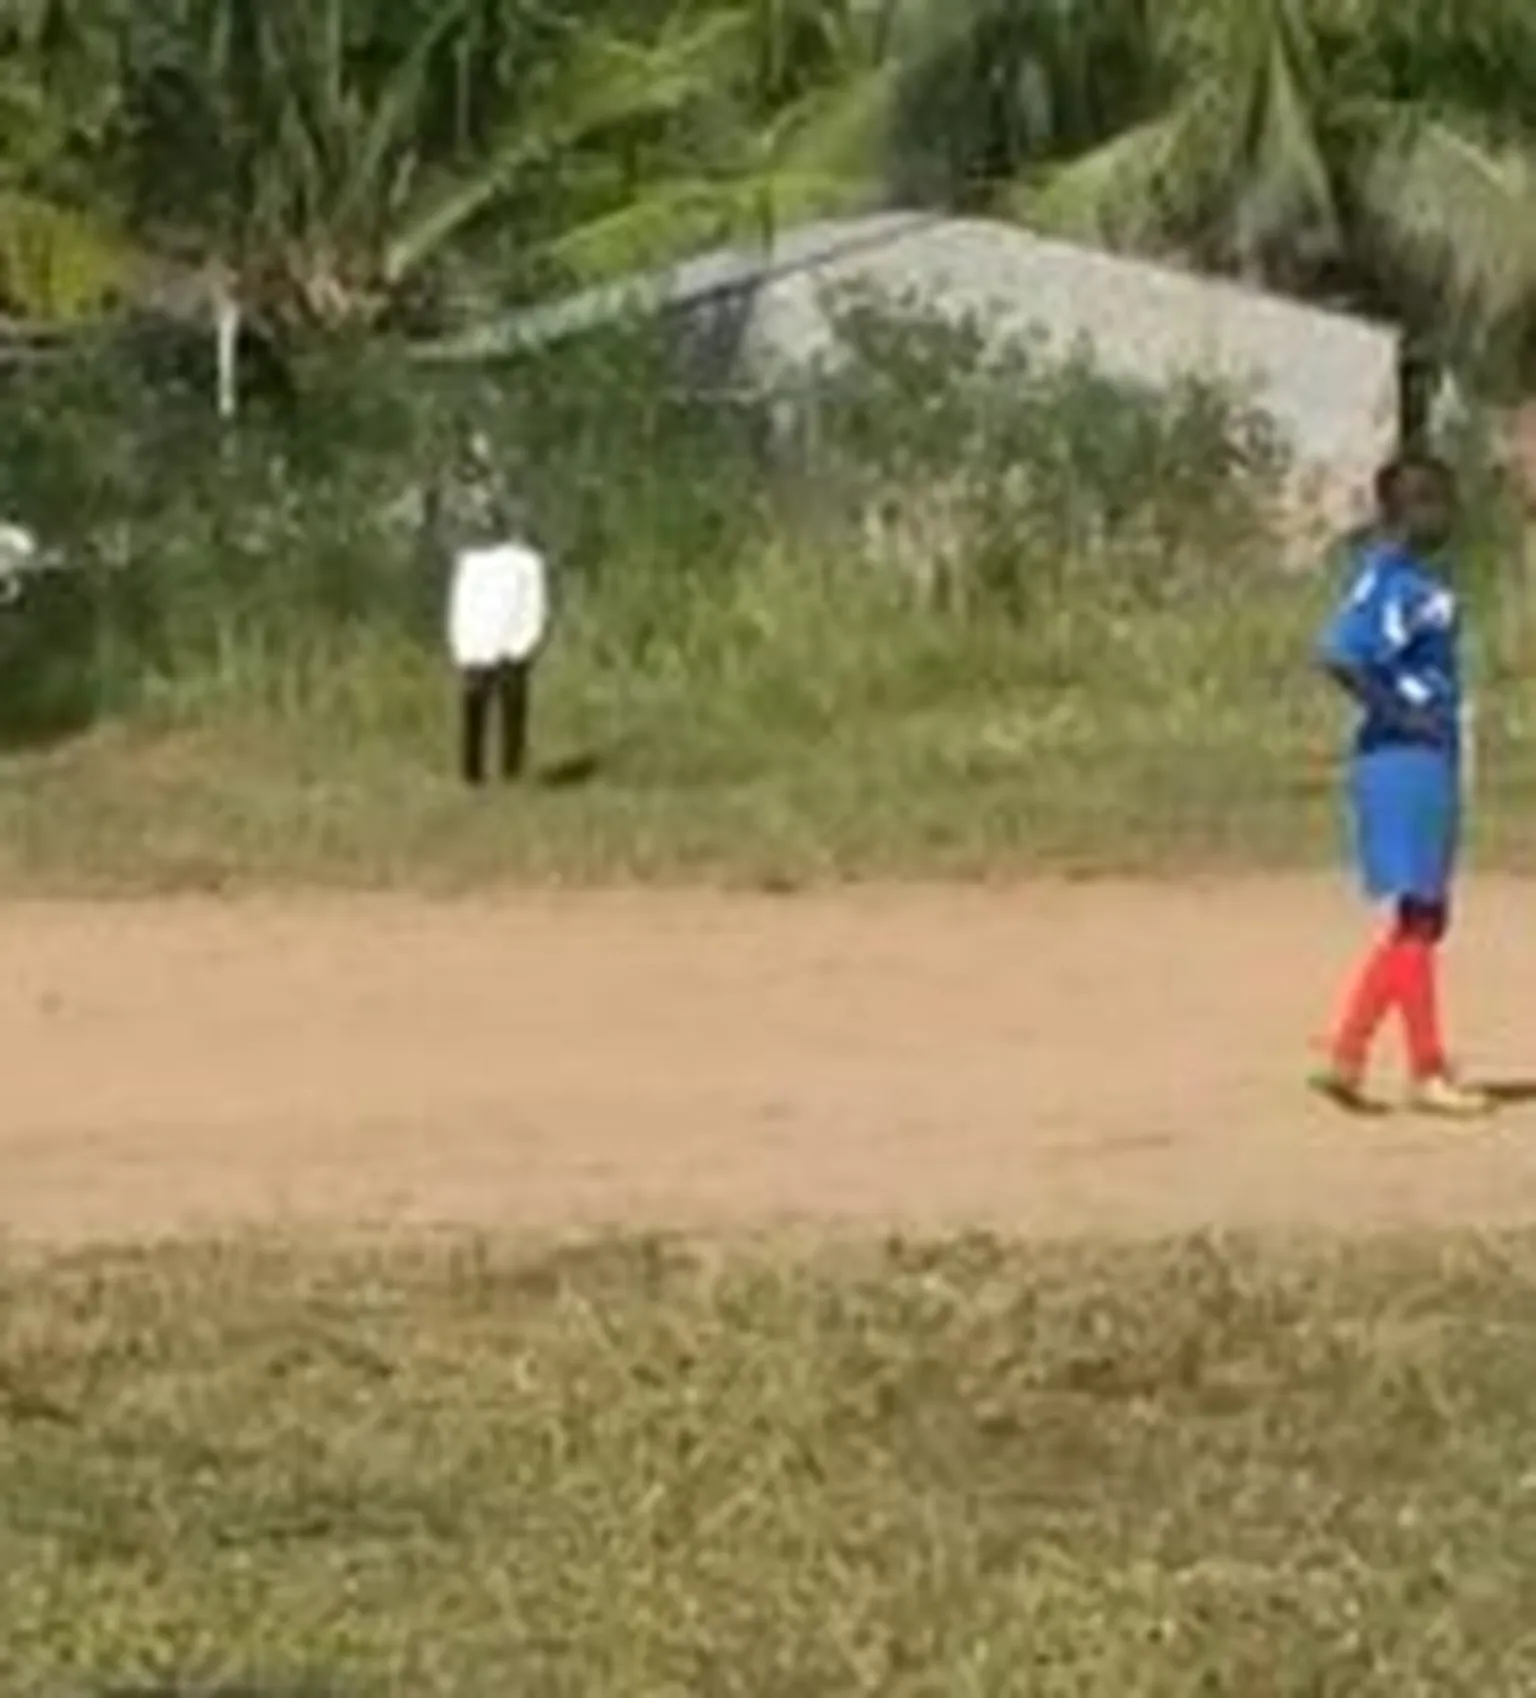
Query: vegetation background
{"x": 909, "y": 1470}
{"x": 764, "y": 691}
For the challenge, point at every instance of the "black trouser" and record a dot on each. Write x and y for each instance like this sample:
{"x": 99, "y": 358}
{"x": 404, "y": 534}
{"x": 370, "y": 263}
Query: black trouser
{"x": 504, "y": 690}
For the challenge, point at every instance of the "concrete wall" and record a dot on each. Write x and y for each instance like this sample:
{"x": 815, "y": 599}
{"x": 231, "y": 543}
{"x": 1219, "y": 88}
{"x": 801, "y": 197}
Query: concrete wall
{"x": 1328, "y": 380}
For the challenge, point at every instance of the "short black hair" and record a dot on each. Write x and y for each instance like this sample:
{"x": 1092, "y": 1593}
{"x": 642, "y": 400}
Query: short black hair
{"x": 1391, "y": 476}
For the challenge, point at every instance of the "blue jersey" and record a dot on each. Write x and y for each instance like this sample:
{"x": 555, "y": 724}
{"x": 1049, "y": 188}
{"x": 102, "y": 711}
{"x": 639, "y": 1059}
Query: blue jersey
{"x": 1399, "y": 625}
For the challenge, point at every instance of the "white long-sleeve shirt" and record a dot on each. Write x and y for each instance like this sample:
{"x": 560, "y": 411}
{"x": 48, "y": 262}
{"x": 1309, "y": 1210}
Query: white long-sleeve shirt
{"x": 498, "y": 605}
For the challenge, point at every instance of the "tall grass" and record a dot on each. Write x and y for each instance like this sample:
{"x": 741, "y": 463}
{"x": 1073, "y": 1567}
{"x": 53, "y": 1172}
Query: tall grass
{"x": 970, "y": 609}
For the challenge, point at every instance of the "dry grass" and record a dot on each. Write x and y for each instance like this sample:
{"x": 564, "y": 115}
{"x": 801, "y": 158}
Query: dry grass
{"x": 630, "y": 1469}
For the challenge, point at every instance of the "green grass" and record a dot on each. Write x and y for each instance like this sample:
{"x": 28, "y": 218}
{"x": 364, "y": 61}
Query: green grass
{"x": 737, "y": 676}
{"x": 785, "y": 729}
{"x": 630, "y": 1468}
{"x": 779, "y": 735}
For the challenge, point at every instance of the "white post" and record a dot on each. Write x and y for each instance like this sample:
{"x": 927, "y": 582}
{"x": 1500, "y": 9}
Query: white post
{"x": 226, "y": 310}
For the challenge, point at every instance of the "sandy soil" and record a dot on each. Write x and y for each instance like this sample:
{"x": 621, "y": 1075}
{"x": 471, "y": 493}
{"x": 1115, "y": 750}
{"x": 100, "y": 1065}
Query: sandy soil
{"x": 1051, "y": 1058}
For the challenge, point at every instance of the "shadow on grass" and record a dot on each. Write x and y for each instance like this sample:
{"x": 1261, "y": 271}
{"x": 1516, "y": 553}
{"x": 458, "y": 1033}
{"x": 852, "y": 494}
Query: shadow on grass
{"x": 574, "y": 773}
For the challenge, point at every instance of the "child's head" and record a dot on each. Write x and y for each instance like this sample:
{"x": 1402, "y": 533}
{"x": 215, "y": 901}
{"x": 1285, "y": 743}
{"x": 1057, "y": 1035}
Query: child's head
{"x": 1416, "y": 500}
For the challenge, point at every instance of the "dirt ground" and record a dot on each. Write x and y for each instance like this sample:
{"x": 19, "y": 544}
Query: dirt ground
{"x": 1052, "y": 1058}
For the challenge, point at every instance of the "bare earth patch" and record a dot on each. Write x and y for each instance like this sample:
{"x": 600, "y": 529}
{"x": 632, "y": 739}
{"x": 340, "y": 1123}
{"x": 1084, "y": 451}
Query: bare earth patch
{"x": 1050, "y": 1058}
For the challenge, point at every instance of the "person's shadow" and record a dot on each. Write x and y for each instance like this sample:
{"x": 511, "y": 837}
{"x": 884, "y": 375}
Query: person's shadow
{"x": 576, "y": 772}
{"x": 587, "y": 766}
{"x": 1510, "y": 1092}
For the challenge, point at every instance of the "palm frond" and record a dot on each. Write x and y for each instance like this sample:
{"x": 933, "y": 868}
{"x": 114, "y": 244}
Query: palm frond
{"x": 838, "y": 129}
{"x": 812, "y": 160}
{"x": 665, "y": 222}
{"x": 391, "y": 125}
{"x": 1460, "y": 204}
{"x": 608, "y": 83}
{"x": 1120, "y": 194}
{"x": 1287, "y": 184}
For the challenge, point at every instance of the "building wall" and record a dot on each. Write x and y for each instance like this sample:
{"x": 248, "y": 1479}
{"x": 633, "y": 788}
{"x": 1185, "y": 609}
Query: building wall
{"x": 1328, "y": 380}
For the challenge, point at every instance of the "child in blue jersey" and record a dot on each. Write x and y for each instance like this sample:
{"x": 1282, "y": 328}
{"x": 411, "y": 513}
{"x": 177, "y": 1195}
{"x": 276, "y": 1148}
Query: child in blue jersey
{"x": 1393, "y": 646}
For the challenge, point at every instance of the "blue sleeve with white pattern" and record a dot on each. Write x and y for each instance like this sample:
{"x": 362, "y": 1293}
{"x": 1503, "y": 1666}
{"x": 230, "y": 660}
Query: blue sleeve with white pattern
{"x": 1374, "y": 625}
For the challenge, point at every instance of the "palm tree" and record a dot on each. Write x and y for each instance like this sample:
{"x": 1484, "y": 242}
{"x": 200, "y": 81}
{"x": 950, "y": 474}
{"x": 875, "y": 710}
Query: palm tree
{"x": 991, "y": 87}
{"x": 298, "y": 144}
{"x": 1289, "y": 139}
{"x": 794, "y": 124}
{"x": 1444, "y": 163}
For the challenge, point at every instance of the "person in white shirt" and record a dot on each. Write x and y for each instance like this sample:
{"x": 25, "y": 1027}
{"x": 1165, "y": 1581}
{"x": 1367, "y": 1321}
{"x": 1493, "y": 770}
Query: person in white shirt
{"x": 498, "y": 613}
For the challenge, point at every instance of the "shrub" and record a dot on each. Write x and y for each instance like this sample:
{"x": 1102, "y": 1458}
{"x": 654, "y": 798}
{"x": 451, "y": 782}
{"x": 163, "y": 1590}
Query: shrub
{"x": 1033, "y": 478}
{"x": 250, "y": 557}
